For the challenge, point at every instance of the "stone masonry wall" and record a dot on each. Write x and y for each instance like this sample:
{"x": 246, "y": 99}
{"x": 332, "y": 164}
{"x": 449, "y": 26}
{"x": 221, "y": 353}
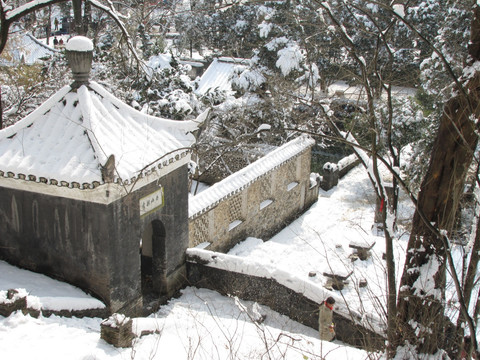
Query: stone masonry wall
{"x": 96, "y": 246}
{"x": 334, "y": 172}
{"x": 269, "y": 292}
{"x": 260, "y": 209}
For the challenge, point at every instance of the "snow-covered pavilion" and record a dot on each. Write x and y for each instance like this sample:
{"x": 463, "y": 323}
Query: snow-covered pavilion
{"x": 95, "y": 193}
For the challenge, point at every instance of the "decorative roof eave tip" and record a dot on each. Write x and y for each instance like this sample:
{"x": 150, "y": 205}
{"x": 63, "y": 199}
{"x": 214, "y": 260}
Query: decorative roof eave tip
{"x": 79, "y": 53}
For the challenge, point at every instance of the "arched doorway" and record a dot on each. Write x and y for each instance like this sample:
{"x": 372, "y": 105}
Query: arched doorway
{"x": 153, "y": 259}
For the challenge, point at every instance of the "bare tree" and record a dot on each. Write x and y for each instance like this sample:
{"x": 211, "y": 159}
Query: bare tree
{"x": 419, "y": 320}
{"x": 420, "y": 302}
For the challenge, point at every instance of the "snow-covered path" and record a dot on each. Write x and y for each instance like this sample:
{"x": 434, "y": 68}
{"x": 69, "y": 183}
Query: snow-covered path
{"x": 201, "y": 324}
{"x": 319, "y": 241}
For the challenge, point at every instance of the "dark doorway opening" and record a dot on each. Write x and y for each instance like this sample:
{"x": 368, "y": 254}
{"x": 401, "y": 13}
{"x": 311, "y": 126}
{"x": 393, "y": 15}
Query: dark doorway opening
{"x": 153, "y": 259}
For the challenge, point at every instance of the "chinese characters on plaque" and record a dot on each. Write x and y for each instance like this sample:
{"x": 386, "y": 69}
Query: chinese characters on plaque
{"x": 151, "y": 202}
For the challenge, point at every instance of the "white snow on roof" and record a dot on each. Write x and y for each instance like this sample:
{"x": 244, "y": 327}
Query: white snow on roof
{"x": 79, "y": 43}
{"x": 71, "y": 136}
{"x": 218, "y": 75}
{"x": 24, "y": 48}
{"x": 247, "y": 175}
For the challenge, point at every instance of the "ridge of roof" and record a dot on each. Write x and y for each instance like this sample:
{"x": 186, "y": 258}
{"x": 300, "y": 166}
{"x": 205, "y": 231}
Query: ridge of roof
{"x": 229, "y": 59}
{"x": 41, "y": 44}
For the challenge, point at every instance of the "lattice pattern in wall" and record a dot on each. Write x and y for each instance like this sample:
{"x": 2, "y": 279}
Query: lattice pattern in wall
{"x": 235, "y": 208}
{"x": 265, "y": 188}
{"x": 292, "y": 170}
{"x": 201, "y": 232}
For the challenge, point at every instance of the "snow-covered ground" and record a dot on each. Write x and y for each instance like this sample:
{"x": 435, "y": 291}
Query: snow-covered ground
{"x": 202, "y": 324}
{"x": 43, "y": 292}
{"x": 319, "y": 242}
{"x": 351, "y": 92}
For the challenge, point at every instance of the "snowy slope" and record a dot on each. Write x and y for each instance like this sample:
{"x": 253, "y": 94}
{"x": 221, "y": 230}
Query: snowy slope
{"x": 202, "y": 324}
{"x": 43, "y": 292}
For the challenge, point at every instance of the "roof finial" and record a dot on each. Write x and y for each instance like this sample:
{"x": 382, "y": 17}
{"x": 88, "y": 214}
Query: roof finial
{"x": 79, "y": 52}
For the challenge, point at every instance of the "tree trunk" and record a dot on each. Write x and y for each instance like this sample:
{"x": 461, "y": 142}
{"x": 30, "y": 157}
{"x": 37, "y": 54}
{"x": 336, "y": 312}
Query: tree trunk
{"x": 468, "y": 287}
{"x": 77, "y": 17}
{"x": 49, "y": 25}
{"x": 422, "y": 289}
{"x": 1, "y": 109}
{"x": 87, "y": 17}
{"x": 4, "y": 28}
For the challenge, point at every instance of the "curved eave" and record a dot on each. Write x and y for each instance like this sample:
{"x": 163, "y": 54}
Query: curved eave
{"x": 97, "y": 192}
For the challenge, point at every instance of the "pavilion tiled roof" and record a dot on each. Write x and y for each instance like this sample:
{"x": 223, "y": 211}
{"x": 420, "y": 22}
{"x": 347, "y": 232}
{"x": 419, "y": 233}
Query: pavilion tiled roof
{"x": 70, "y": 140}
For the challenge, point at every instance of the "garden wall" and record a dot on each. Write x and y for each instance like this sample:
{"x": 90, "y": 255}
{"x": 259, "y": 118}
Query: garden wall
{"x": 256, "y": 201}
{"x": 335, "y": 171}
{"x": 266, "y": 290}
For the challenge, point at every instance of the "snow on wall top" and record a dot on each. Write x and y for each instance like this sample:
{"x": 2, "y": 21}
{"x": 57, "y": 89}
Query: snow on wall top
{"x": 309, "y": 289}
{"x": 218, "y": 75}
{"x": 235, "y": 182}
{"x": 71, "y": 136}
{"x": 79, "y": 43}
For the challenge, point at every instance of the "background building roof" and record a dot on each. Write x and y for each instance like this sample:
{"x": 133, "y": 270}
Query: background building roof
{"x": 218, "y": 75}
{"x": 25, "y": 49}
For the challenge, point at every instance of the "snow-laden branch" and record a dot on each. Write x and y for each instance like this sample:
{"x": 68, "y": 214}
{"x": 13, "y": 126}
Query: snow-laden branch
{"x": 26, "y": 8}
{"x": 4, "y": 5}
{"x": 22, "y": 10}
{"x": 112, "y": 8}
{"x": 116, "y": 17}
{"x": 446, "y": 63}
{"x": 10, "y": 16}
